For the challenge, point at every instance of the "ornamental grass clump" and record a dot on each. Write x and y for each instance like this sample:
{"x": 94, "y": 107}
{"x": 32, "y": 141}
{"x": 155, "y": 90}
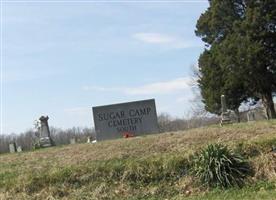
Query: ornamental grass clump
{"x": 217, "y": 166}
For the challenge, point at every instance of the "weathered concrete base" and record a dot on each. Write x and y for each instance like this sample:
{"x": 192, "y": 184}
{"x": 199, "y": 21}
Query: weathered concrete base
{"x": 45, "y": 142}
{"x": 225, "y": 119}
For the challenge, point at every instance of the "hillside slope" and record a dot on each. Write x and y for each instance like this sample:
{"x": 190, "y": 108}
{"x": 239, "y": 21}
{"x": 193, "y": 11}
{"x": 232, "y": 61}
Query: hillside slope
{"x": 150, "y": 167}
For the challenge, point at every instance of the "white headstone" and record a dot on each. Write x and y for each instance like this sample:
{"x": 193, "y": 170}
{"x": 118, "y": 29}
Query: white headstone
{"x": 19, "y": 149}
{"x": 73, "y": 141}
{"x": 12, "y": 147}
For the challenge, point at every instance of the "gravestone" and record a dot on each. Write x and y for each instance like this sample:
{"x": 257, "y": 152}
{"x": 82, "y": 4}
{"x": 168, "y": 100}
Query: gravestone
{"x": 89, "y": 139}
{"x": 19, "y": 149}
{"x": 223, "y": 104}
{"x": 225, "y": 113}
{"x": 131, "y": 118}
{"x": 73, "y": 141}
{"x": 12, "y": 147}
{"x": 250, "y": 116}
{"x": 44, "y": 132}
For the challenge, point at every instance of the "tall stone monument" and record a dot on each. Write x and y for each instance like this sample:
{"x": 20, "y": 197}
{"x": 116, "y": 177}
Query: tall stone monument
{"x": 44, "y": 132}
{"x": 225, "y": 113}
{"x": 73, "y": 140}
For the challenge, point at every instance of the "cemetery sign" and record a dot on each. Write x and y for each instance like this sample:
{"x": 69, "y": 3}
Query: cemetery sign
{"x": 132, "y": 118}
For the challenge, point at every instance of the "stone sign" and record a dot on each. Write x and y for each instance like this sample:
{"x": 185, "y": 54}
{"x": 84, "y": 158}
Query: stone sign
{"x": 125, "y": 119}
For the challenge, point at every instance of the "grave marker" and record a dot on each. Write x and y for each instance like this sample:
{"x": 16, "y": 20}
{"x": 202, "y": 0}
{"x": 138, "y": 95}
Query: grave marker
{"x": 19, "y": 149}
{"x": 73, "y": 141}
{"x": 45, "y": 138}
{"x": 12, "y": 147}
{"x": 250, "y": 115}
{"x": 225, "y": 113}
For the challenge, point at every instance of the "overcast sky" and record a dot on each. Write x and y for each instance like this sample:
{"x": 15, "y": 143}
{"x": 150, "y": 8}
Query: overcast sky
{"x": 60, "y": 59}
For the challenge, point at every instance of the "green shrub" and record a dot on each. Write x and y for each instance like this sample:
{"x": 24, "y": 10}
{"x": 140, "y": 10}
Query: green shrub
{"x": 216, "y": 165}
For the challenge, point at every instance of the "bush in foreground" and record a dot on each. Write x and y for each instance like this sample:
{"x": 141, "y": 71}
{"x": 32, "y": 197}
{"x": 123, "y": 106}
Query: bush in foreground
{"x": 216, "y": 165}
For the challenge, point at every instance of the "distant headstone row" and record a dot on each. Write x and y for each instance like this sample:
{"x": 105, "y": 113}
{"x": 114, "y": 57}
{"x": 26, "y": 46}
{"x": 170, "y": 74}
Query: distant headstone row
{"x": 122, "y": 120}
{"x": 14, "y": 148}
{"x": 227, "y": 115}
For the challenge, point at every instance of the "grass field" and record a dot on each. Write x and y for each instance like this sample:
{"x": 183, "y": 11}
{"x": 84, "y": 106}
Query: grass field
{"x": 150, "y": 167}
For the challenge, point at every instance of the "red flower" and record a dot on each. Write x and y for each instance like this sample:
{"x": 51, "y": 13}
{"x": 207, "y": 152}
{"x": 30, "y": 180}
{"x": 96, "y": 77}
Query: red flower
{"x": 127, "y": 134}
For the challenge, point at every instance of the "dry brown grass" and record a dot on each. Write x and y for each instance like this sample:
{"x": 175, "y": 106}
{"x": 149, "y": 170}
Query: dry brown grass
{"x": 144, "y": 146}
{"x": 21, "y": 166}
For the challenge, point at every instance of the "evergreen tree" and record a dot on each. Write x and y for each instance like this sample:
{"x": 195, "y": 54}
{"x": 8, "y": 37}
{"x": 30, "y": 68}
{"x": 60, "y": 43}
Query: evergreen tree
{"x": 240, "y": 36}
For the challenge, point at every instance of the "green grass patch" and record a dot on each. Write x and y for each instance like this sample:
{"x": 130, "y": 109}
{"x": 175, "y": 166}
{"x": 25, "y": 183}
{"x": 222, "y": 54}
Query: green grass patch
{"x": 8, "y": 179}
{"x": 261, "y": 190}
{"x": 135, "y": 172}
